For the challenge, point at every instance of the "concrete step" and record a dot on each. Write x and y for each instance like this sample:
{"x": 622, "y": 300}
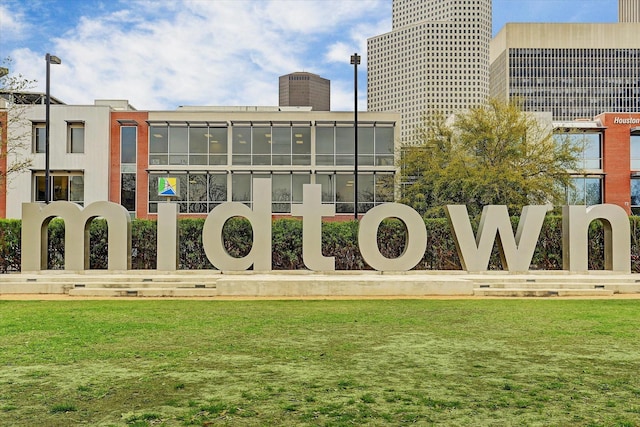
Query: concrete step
{"x": 61, "y": 276}
{"x": 527, "y": 292}
{"x": 565, "y": 279}
{"x": 144, "y": 292}
{"x": 616, "y": 287}
{"x": 142, "y": 285}
{"x": 543, "y": 285}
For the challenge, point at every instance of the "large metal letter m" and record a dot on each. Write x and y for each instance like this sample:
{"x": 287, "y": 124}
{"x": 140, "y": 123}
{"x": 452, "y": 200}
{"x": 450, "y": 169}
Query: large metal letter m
{"x": 35, "y": 221}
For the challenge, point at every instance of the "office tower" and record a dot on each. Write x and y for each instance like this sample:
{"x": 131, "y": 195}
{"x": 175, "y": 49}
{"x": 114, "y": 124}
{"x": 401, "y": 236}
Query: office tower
{"x": 571, "y": 70}
{"x": 303, "y": 89}
{"x": 435, "y": 58}
{"x": 628, "y": 11}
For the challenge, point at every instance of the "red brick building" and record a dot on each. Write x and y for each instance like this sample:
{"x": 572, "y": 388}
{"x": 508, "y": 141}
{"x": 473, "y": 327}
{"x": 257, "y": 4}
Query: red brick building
{"x": 610, "y": 160}
{"x": 621, "y": 159}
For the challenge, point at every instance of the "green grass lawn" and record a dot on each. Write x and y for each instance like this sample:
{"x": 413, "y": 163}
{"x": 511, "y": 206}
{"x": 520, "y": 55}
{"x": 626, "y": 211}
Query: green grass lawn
{"x": 328, "y": 363}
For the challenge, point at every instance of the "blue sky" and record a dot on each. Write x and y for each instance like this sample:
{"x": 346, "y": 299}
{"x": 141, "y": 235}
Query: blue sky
{"x": 160, "y": 54}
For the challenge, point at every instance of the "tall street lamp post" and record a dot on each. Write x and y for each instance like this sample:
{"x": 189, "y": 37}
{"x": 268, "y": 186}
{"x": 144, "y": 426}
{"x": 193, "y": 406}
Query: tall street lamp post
{"x": 355, "y": 60}
{"x": 51, "y": 59}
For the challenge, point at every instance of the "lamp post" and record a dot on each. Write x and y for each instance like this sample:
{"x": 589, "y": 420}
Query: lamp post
{"x": 51, "y": 59}
{"x": 355, "y": 60}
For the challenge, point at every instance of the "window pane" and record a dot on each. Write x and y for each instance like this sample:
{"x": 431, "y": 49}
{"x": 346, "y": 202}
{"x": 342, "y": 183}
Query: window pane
{"x": 281, "y": 139}
{"x": 324, "y": 160}
{"x": 587, "y": 191}
{"x": 198, "y": 141}
{"x": 158, "y": 140}
{"x": 178, "y": 140}
{"x": 218, "y": 187}
{"x": 593, "y": 191}
{"x": 158, "y": 159}
{"x": 297, "y": 184}
{"x": 384, "y": 188}
{"x": 302, "y": 159}
{"x": 302, "y": 140}
{"x": 261, "y": 145}
{"x": 345, "y": 140}
{"x": 365, "y": 140}
{"x": 218, "y": 160}
{"x": 324, "y": 140}
{"x": 344, "y": 188}
{"x": 384, "y": 140}
{"x": 635, "y": 192}
{"x": 384, "y": 146}
{"x": 77, "y": 139}
{"x": 128, "y": 191}
{"x": 197, "y": 194}
{"x": 635, "y": 152}
{"x": 60, "y": 188}
{"x": 199, "y": 159}
{"x": 281, "y": 193}
{"x": 40, "y": 189}
{"x": 217, "y": 140}
{"x": 217, "y": 146}
{"x": 179, "y": 159}
{"x": 241, "y": 140}
{"x": 128, "y": 144}
{"x": 76, "y": 189}
{"x": 241, "y": 187}
{"x": 592, "y": 154}
{"x": 182, "y": 190}
{"x": 366, "y": 192}
{"x": 39, "y": 136}
{"x": 326, "y": 182}
{"x": 153, "y": 189}
{"x": 344, "y": 159}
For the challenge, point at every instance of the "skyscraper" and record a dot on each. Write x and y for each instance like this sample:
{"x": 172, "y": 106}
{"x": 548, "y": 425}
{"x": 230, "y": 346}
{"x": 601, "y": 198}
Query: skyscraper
{"x": 628, "y": 11}
{"x": 436, "y": 58}
{"x": 571, "y": 70}
{"x": 302, "y": 89}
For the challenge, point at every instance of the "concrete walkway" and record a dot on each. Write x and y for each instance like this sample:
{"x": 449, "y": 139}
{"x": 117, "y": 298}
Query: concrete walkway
{"x": 307, "y": 284}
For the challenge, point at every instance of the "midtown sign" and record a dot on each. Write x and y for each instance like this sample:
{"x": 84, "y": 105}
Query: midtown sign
{"x": 474, "y": 250}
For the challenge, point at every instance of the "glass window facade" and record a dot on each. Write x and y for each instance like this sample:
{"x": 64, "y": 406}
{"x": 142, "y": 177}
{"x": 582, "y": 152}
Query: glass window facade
{"x": 585, "y": 191}
{"x": 198, "y": 193}
{"x": 574, "y": 83}
{"x": 187, "y": 145}
{"x": 373, "y": 189}
{"x": 335, "y": 146}
{"x": 211, "y": 171}
{"x": 590, "y": 143}
{"x": 66, "y": 187}
{"x": 262, "y": 145}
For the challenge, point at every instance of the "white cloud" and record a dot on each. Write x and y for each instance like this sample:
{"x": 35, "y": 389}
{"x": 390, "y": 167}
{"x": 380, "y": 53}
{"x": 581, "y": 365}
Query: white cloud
{"x": 12, "y": 23}
{"x": 159, "y": 55}
{"x": 339, "y": 51}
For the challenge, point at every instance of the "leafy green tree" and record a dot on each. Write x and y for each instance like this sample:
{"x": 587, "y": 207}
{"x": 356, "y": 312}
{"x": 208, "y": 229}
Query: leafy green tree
{"x": 15, "y": 133}
{"x": 490, "y": 154}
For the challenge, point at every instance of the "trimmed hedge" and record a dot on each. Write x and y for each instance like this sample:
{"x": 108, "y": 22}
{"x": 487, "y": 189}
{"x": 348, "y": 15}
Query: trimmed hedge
{"x": 339, "y": 239}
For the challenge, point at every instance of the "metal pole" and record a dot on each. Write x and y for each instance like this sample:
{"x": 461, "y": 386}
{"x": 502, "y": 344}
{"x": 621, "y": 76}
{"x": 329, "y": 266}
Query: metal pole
{"x": 47, "y": 197}
{"x": 51, "y": 59}
{"x": 355, "y": 60}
